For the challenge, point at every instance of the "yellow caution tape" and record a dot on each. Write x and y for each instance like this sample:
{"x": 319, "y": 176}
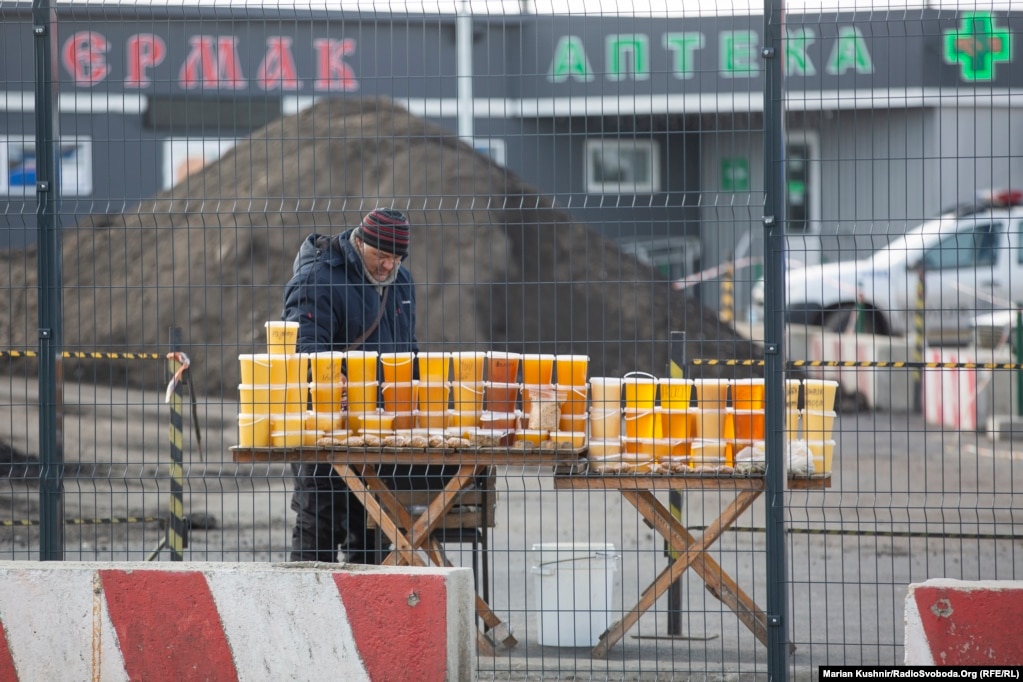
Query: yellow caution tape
{"x": 84, "y": 355}
{"x": 865, "y": 363}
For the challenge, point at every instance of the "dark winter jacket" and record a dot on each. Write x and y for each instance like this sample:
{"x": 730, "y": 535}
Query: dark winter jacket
{"x": 334, "y": 302}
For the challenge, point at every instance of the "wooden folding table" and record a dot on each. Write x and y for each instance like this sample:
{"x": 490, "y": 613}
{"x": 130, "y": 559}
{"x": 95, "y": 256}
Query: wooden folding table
{"x": 412, "y": 536}
{"x": 690, "y": 551}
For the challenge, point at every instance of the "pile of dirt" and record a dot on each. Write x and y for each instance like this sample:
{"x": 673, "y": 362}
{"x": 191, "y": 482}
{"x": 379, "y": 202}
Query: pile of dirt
{"x": 16, "y": 465}
{"x": 497, "y": 264}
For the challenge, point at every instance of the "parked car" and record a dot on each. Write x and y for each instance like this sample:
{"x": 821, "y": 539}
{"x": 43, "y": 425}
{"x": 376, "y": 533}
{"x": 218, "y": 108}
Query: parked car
{"x": 995, "y": 330}
{"x": 971, "y": 259}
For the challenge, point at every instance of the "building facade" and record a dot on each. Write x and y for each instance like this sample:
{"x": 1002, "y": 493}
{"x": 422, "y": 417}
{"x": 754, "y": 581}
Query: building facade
{"x": 649, "y": 129}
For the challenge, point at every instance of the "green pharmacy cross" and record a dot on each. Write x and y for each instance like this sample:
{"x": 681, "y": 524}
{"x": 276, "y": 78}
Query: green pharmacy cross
{"x": 977, "y": 45}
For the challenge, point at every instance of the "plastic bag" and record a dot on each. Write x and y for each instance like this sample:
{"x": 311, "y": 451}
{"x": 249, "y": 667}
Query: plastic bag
{"x": 798, "y": 458}
{"x": 545, "y": 407}
{"x": 752, "y": 459}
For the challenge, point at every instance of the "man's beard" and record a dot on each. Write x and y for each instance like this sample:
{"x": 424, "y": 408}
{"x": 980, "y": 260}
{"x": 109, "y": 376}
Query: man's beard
{"x": 391, "y": 276}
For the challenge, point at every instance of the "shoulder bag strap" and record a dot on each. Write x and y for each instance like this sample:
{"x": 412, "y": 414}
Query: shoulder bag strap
{"x": 376, "y": 323}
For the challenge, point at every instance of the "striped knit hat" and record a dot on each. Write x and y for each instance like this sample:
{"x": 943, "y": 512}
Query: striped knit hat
{"x": 386, "y": 229}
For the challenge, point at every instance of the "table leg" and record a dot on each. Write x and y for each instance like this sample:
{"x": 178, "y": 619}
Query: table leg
{"x": 671, "y": 573}
{"x": 495, "y": 627}
{"x": 383, "y": 507}
{"x": 718, "y": 582}
{"x": 421, "y": 528}
{"x": 434, "y": 515}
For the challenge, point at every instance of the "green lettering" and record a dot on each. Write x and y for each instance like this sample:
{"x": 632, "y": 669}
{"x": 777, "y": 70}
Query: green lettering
{"x": 797, "y": 61}
{"x": 629, "y": 53}
{"x": 570, "y": 60}
{"x": 850, "y": 52}
{"x": 739, "y": 54}
{"x": 683, "y": 46}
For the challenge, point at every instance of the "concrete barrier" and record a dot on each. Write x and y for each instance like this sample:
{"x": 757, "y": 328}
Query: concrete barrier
{"x": 219, "y": 621}
{"x": 955, "y": 622}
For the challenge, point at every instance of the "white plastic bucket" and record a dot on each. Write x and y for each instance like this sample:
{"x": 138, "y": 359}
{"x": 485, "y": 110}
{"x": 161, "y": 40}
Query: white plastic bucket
{"x": 574, "y": 590}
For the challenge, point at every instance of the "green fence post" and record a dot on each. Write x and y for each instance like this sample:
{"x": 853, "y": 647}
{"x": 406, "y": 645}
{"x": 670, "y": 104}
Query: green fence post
{"x": 1018, "y": 352}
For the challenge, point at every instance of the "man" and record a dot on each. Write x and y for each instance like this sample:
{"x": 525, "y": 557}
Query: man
{"x": 336, "y": 292}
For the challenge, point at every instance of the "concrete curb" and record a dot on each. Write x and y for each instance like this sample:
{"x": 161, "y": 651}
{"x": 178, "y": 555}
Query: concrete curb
{"x": 955, "y": 622}
{"x": 219, "y": 621}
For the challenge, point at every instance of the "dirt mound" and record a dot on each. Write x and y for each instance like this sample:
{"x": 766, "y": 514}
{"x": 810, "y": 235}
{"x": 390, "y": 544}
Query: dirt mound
{"x": 497, "y": 264}
{"x": 17, "y": 465}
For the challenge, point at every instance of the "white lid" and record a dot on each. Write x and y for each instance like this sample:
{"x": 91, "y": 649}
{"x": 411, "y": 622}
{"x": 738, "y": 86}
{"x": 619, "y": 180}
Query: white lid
{"x": 561, "y": 552}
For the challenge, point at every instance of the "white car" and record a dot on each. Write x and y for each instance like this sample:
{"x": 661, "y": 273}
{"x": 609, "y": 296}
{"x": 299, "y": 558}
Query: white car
{"x": 971, "y": 259}
{"x": 996, "y": 330}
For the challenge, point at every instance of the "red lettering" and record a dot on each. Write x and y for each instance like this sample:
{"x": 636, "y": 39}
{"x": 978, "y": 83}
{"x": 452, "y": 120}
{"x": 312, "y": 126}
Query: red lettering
{"x": 212, "y": 67}
{"x": 84, "y": 57}
{"x": 145, "y": 51}
{"x": 277, "y": 71}
{"x": 332, "y": 72}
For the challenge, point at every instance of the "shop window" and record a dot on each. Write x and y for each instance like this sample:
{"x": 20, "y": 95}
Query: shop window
{"x": 622, "y": 167}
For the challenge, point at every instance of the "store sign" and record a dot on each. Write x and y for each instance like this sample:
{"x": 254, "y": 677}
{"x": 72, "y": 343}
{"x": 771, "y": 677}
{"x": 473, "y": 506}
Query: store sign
{"x": 212, "y": 62}
{"x": 735, "y": 174}
{"x": 978, "y": 45}
{"x": 628, "y": 56}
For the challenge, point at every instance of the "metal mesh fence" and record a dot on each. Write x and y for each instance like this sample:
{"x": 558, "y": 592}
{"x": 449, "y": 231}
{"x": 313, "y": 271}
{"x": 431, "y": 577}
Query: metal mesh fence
{"x": 758, "y": 251}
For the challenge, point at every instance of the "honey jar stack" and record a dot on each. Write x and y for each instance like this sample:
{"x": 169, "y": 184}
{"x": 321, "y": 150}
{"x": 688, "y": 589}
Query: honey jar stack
{"x": 659, "y": 424}
{"x": 605, "y": 444}
{"x": 572, "y": 373}
{"x": 501, "y": 419}
{"x": 816, "y": 420}
{"x": 467, "y": 389}
{"x": 399, "y": 392}
{"x": 327, "y": 393}
{"x": 434, "y": 392}
{"x": 272, "y": 395}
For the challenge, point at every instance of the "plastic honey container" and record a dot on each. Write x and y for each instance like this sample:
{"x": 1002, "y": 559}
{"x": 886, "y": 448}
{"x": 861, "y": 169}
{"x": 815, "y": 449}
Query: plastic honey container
{"x": 289, "y": 422}
{"x": 510, "y": 421}
{"x": 573, "y": 422}
{"x": 294, "y": 439}
{"x": 253, "y": 430}
{"x": 822, "y": 452}
{"x": 431, "y": 420}
{"x": 460, "y": 419}
{"x": 324, "y": 421}
{"x": 377, "y": 423}
{"x": 532, "y": 436}
{"x": 575, "y": 401}
{"x": 606, "y": 423}
{"x": 707, "y": 452}
{"x": 405, "y": 420}
{"x": 604, "y": 447}
{"x": 575, "y": 439}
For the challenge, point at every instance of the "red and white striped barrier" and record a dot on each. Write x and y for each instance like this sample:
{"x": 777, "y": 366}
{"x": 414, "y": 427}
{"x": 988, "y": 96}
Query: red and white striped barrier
{"x": 949, "y": 393}
{"x": 211, "y": 621}
{"x": 831, "y": 347}
{"x": 954, "y": 622}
